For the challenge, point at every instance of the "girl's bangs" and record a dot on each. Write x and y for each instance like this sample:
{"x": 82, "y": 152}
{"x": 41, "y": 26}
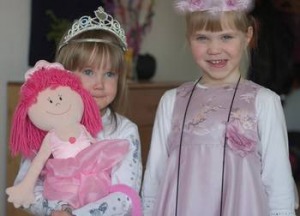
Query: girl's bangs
{"x": 213, "y": 22}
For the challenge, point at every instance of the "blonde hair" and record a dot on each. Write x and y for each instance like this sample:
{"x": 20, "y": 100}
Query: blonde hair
{"x": 214, "y": 22}
{"x": 78, "y": 54}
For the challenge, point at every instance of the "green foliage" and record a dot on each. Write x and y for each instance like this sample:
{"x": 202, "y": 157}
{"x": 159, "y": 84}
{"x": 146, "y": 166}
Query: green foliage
{"x": 57, "y": 27}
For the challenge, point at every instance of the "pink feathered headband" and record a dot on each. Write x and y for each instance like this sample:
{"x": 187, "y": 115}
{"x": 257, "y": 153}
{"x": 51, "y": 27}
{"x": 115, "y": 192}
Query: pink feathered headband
{"x": 185, "y": 6}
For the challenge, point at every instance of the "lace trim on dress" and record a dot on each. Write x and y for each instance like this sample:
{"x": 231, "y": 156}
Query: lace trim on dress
{"x": 283, "y": 213}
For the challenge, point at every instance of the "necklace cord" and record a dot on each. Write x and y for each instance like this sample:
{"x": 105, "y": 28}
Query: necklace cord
{"x": 224, "y": 146}
{"x": 180, "y": 144}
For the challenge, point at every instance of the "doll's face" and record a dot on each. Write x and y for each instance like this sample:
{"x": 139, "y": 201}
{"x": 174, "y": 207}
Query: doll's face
{"x": 56, "y": 108}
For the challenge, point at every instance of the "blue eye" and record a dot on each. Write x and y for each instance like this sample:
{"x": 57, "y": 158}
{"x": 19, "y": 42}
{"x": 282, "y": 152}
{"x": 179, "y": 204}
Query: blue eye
{"x": 110, "y": 74}
{"x": 201, "y": 38}
{"x": 88, "y": 72}
{"x": 227, "y": 37}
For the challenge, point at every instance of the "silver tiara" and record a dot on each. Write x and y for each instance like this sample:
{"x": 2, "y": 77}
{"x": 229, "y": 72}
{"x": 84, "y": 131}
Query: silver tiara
{"x": 101, "y": 21}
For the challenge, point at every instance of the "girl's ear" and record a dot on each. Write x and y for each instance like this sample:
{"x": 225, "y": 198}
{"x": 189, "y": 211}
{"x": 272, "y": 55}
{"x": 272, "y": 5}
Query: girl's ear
{"x": 249, "y": 35}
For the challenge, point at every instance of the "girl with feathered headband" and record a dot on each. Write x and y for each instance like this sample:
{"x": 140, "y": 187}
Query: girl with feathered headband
{"x": 219, "y": 144}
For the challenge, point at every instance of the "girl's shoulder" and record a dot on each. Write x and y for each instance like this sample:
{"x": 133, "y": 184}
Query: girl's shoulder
{"x": 108, "y": 118}
{"x": 117, "y": 128}
{"x": 124, "y": 125}
{"x": 263, "y": 92}
{"x": 115, "y": 121}
{"x": 186, "y": 86}
{"x": 123, "y": 120}
{"x": 264, "y": 96}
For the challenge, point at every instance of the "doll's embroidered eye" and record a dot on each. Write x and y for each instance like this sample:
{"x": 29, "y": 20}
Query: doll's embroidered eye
{"x": 60, "y": 97}
{"x": 49, "y": 99}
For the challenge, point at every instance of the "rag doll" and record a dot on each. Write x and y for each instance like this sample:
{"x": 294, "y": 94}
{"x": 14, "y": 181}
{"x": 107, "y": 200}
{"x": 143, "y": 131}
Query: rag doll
{"x": 54, "y": 123}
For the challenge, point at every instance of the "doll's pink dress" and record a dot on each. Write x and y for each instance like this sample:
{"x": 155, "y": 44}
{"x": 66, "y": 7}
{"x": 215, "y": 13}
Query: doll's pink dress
{"x": 80, "y": 172}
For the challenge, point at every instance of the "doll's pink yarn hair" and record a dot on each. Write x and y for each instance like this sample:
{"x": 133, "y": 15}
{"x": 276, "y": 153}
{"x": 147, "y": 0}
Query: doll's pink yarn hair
{"x": 26, "y": 138}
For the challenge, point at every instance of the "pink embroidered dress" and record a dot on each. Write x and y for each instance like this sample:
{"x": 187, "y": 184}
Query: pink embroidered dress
{"x": 80, "y": 172}
{"x": 202, "y": 155}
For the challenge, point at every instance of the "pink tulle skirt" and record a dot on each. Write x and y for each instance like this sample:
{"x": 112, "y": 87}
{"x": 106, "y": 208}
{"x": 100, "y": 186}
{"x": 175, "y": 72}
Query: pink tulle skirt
{"x": 87, "y": 176}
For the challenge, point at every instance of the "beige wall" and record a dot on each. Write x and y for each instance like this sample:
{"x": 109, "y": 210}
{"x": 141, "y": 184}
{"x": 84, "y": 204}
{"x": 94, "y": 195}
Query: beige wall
{"x": 14, "y": 37}
{"x": 167, "y": 42}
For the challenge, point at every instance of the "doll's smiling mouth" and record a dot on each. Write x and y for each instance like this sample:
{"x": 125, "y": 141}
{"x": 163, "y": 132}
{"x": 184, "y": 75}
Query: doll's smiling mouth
{"x": 59, "y": 113}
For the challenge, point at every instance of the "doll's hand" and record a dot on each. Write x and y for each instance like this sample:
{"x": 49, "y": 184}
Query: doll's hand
{"x": 20, "y": 196}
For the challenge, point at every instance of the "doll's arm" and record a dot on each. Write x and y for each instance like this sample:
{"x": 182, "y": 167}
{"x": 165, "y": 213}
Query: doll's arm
{"x": 22, "y": 194}
{"x": 41, "y": 206}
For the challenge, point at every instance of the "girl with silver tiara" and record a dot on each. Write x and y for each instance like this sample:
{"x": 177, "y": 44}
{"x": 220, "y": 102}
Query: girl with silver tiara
{"x": 219, "y": 144}
{"x": 93, "y": 48}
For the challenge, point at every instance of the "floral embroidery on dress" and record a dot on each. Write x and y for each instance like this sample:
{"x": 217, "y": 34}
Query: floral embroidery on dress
{"x": 240, "y": 133}
{"x": 201, "y": 116}
{"x": 247, "y": 97}
{"x": 136, "y": 145}
{"x": 100, "y": 210}
{"x": 246, "y": 121}
{"x": 48, "y": 210}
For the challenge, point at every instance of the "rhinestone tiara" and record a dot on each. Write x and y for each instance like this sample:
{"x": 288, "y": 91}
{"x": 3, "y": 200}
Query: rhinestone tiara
{"x": 101, "y": 21}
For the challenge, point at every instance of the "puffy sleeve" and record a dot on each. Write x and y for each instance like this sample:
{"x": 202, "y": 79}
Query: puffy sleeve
{"x": 158, "y": 155}
{"x": 276, "y": 170}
